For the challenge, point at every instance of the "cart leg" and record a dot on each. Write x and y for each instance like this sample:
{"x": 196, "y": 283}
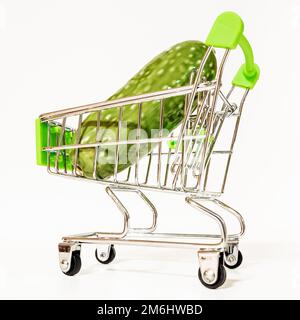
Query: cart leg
{"x": 111, "y": 191}
{"x": 109, "y": 254}
{"x": 69, "y": 257}
{"x": 233, "y": 257}
{"x": 236, "y": 214}
{"x": 195, "y": 203}
{"x": 212, "y": 273}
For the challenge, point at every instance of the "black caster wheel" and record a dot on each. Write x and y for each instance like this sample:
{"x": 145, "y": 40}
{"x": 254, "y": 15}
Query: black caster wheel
{"x": 236, "y": 263}
{"x": 104, "y": 257}
{"x": 75, "y": 264}
{"x": 220, "y": 280}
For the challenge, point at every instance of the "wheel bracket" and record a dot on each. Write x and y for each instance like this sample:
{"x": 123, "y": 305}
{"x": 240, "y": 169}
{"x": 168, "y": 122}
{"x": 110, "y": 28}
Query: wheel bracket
{"x": 65, "y": 251}
{"x": 209, "y": 265}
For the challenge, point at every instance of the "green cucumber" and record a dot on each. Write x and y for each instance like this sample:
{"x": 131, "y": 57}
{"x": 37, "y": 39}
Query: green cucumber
{"x": 170, "y": 69}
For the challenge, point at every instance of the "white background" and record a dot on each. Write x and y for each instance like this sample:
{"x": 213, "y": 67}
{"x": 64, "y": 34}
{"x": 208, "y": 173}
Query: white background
{"x": 67, "y": 53}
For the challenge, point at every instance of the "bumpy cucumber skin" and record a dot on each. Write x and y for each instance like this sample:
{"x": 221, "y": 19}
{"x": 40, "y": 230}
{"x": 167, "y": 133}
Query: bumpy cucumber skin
{"x": 170, "y": 69}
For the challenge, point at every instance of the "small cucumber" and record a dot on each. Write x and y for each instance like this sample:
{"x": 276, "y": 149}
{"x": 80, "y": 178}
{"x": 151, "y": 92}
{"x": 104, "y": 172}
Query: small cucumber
{"x": 170, "y": 69}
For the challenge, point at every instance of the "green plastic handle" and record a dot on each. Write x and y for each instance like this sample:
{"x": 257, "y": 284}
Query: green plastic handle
{"x": 227, "y": 33}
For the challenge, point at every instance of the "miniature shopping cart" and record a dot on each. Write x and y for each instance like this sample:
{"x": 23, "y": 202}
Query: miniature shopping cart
{"x": 187, "y": 162}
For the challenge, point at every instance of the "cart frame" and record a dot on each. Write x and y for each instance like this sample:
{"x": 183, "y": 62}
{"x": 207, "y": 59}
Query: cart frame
{"x": 188, "y": 159}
